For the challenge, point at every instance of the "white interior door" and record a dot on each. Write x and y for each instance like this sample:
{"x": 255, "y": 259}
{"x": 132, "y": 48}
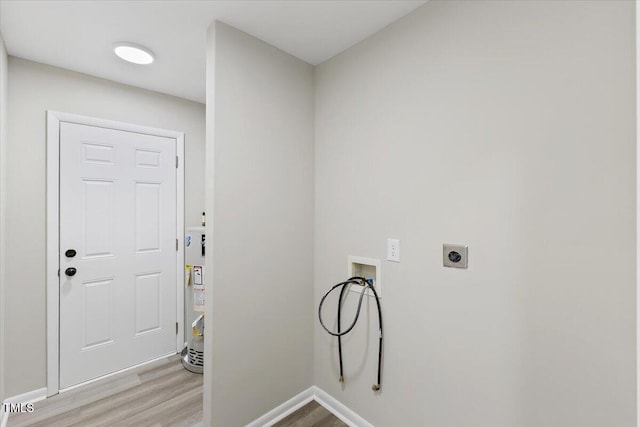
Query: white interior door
{"x": 118, "y": 213}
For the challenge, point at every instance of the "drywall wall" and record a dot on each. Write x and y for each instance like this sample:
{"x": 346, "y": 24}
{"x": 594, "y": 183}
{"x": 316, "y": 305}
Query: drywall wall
{"x": 509, "y": 127}
{"x": 34, "y": 89}
{"x": 3, "y": 192}
{"x": 260, "y": 136}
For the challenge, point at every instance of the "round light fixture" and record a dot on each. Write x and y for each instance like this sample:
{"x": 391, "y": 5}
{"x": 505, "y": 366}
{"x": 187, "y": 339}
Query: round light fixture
{"x": 133, "y": 53}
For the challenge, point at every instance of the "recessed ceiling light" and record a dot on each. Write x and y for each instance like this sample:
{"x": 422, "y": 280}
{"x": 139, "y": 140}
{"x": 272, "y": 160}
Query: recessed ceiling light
{"x": 133, "y": 53}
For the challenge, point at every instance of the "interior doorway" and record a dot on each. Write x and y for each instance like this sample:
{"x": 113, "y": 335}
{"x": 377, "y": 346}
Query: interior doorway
{"x": 115, "y": 263}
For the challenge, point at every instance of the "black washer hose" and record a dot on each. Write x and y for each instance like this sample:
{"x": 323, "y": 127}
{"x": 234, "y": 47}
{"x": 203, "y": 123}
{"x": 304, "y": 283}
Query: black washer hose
{"x": 341, "y": 379}
{"x": 365, "y": 283}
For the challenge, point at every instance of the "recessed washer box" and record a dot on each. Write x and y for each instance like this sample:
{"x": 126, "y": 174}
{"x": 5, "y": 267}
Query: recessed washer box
{"x": 455, "y": 256}
{"x": 367, "y": 268}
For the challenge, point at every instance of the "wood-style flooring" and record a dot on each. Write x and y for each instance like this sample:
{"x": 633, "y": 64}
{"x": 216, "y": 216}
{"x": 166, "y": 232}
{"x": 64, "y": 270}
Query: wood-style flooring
{"x": 159, "y": 394}
{"x": 311, "y": 415}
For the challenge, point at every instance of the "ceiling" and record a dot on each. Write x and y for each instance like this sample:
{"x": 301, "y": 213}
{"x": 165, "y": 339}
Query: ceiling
{"x": 79, "y": 35}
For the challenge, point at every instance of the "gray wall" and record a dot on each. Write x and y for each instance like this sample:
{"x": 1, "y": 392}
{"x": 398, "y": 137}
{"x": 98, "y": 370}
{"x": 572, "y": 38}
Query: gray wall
{"x": 260, "y": 348}
{"x": 510, "y": 127}
{"x": 3, "y": 145}
{"x": 34, "y": 89}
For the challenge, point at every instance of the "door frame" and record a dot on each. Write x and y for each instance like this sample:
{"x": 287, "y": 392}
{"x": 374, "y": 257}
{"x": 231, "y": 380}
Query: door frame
{"x": 637, "y": 193}
{"x": 54, "y": 118}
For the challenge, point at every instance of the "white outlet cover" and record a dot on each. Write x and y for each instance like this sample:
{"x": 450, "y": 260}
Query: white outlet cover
{"x": 393, "y": 250}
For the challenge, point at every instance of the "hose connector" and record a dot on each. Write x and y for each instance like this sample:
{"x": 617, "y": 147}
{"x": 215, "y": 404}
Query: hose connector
{"x": 341, "y": 379}
{"x": 375, "y": 387}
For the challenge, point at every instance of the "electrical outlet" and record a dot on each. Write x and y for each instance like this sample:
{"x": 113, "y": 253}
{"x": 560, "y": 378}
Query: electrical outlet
{"x": 393, "y": 250}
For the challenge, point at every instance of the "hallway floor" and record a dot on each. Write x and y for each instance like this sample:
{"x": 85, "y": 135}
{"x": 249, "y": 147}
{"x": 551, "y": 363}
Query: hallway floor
{"x": 160, "y": 394}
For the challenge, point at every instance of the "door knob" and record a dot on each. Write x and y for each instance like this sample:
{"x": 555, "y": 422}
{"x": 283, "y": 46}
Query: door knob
{"x": 70, "y": 253}
{"x": 71, "y": 271}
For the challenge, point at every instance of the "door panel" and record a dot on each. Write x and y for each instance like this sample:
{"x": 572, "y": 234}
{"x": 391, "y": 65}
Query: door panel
{"x": 99, "y": 218}
{"x": 148, "y": 302}
{"x": 118, "y": 212}
{"x": 147, "y": 225}
{"x": 98, "y": 306}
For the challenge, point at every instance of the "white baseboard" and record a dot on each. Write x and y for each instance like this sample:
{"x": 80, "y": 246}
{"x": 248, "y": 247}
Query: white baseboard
{"x": 338, "y": 409}
{"x": 28, "y": 397}
{"x": 288, "y": 407}
{"x": 329, "y": 402}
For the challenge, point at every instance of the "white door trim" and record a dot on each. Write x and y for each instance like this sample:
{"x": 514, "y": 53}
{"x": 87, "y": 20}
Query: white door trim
{"x": 53, "y": 196}
{"x": 637, "y": 19}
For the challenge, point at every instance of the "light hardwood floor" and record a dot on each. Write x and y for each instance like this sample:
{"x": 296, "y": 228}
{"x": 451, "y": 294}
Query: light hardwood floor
{"x": 311, "y": 415}
{"x": 160, "y": 394}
